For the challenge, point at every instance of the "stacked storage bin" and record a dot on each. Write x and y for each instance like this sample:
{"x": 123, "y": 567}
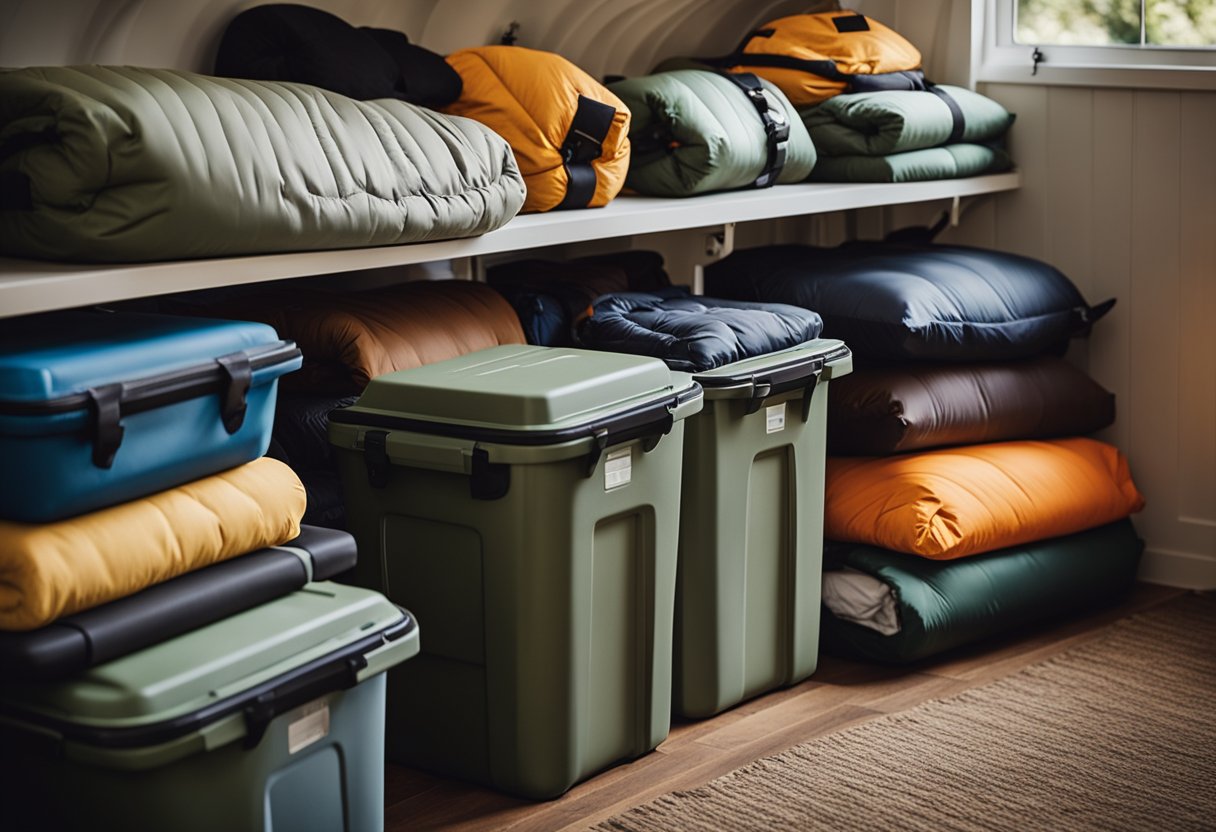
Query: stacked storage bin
{"x": 751, "y": 512}
{"x": 166, "y": 660}
{"x": 977, "y": 506}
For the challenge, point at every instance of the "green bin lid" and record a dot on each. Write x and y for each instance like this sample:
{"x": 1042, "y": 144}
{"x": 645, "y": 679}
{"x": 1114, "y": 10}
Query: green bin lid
{"x": 787, "y": 369}
{"x": 183, "y": 684}
{"x": 519, "y": 389}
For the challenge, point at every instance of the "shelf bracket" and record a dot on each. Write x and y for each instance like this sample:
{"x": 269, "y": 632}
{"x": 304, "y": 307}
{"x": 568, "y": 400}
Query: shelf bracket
{"x": 718, "y": 244}
{"x": 469, "y": 268}
{"x": 956, "y": 211}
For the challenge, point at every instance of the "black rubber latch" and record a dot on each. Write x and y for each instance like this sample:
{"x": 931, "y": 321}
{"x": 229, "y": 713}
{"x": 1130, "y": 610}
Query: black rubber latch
{"x": 263, "y": 710}
{"x": 649, "y": 443}
{"x": 599, "y": 443}
{"x": 775, "y": 121}
{"x": 583, "y": 144}
{"x": 851, "y": 23}
{"x": 234, "y": 396}
{"x": 375, "y": 457}
{"x": 488, "y": 480}
{"x": 808, "y": 394}
{"x": 760, "y": 391}
{"x": 105, "y": 412}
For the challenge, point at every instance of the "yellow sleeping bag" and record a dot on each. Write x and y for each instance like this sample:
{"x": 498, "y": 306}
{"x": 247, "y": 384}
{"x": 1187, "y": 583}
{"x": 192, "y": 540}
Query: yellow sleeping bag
{"x": 962, "y": 501}
{"x": 570, "y": 134}
{"x": 812, "y": 57}
{"x": 51, "y": 570}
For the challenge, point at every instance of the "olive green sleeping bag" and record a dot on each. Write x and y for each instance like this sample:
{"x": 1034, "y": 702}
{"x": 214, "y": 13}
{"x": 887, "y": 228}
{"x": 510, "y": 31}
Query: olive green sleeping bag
{"x": 945, "y": 604}
{"x": 950, "y": 162}
{"x": 696, "y": 131}
{"x": 125, "y": 164}
{"x": 896, "y": 121}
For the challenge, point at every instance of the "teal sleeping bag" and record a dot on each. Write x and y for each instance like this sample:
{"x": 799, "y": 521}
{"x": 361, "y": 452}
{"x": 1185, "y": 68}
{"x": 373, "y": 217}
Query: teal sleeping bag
{"x": 127, "y": 164}
{"x": 950, "y": 162}
{"x": 882, "y": 123}
{"x": 945, "y": 604}
{"x": 696, "y": 131}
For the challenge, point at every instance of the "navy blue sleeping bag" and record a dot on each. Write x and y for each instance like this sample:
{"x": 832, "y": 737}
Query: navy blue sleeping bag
{"x": 694, "y": 334}
{"x": 914, "y": 302}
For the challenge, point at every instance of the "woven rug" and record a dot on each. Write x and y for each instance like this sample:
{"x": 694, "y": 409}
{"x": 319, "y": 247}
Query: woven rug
{"x": 1118, "y": 733}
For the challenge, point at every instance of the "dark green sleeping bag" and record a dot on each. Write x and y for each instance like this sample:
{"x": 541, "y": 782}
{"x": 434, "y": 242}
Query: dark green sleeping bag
{"x": 695, "y": 131}
{"x": 123, "y": 164}
{"x": 945, "y": 604}
{"x": 952, "y": 161}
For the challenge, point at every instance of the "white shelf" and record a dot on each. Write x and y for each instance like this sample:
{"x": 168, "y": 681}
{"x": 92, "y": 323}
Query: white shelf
{"x": 29, "y": 286}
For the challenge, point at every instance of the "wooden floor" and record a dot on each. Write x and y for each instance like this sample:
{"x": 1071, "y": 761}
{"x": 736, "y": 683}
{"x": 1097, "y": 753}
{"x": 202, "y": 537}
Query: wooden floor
{"x": 840, "y": 694}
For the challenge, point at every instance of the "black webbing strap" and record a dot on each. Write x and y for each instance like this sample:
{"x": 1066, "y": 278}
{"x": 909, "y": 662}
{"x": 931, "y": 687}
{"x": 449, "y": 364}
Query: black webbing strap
{"x": 776, "y": 125}
{"x": 956, "y": 113}
{"x": 583, "y": 144}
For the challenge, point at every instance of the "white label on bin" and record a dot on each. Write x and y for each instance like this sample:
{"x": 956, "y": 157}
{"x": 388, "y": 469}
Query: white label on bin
{"x": 618, "y": 468}
{"x": 774, "y": 418}
{"x": 310, "y": 723}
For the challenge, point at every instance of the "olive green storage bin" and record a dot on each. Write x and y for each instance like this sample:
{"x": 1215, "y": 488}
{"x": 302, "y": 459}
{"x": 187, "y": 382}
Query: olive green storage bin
{"x": 525, "y": 501}
{"x": 271, "y": 720}
{"x": 751, "y": 527}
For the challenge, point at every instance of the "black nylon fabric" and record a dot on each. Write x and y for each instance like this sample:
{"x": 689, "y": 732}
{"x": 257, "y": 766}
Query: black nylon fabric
{"x": 694, "y": 334}
{"x": 916, "y": 302}
{"x": 288, "y": 42}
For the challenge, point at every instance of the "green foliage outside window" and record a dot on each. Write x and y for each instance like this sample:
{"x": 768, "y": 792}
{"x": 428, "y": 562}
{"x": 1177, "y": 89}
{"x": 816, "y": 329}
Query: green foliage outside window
{"x": 1177, "y": 23}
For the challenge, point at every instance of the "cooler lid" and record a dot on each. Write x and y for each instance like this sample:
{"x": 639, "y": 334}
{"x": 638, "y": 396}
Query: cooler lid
{"x": 519, "y": 389}
{"x": 61, "y": 354}
{"x": 781, "y": 371}
{"x": 185, "y": 683}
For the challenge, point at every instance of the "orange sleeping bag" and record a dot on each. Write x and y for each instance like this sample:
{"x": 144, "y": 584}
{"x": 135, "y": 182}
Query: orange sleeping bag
{"x": 570, "y": 134}
{"x": 962, "y": 501}
{"x": 812, "y": 57}
{"x": 350, "y": 338}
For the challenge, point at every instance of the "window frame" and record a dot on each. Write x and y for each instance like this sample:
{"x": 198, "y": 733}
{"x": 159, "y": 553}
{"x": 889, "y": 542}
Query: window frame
{"x": 999, "y": 58}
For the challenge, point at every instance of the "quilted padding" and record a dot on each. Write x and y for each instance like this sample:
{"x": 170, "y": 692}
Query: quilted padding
{"x": 916, "y": 302}
{"x": 55, "y": 569}
{"x": 961, "y": 501}
{"x": 529, "y": 98}
{"x": 941, "y": 605}
{"x": 125, "y": 164}
{"x": 349, "y": 339}
{"x": 694, "y": 334}
{"x": 951, "y": 161}
{"x": 894, "y": 409}
{"x": 695, "y": 132}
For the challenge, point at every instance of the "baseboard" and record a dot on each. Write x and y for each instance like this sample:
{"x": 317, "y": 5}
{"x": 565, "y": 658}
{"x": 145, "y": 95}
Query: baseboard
{"x": 1180, "y": 569}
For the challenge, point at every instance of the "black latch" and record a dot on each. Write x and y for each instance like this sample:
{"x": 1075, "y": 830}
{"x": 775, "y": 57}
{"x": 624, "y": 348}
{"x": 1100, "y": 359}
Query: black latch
{"x": 651, "y": 441}
{"x": 312, "y": 685}
{"x": 375, "y": 457}
{"x": 599, "y": 443}
{"x": 488, "y": 480}
{"x": 760, "y": 391}
{"x": 105, "y": 411}
{"x": 808, "y": 394}
{"x": 233, "y": 398}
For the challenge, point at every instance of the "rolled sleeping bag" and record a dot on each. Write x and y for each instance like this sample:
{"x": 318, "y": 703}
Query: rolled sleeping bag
{"x": 568, "y": 132}
{"x": 955, "y": 502}
{"x": 916, "y": 302}
{"x": 127, "y": 164}
{"x": 898, "y": 408}
{"x": 696, "y": 131}
{"x": 889, "y": 121}
{"x": 952, "y": 161}
{"x": 51, "y": 570}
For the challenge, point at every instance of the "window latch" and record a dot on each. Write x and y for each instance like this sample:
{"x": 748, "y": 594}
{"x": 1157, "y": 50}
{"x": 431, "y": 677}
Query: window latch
{"x": 1036, "y": 58}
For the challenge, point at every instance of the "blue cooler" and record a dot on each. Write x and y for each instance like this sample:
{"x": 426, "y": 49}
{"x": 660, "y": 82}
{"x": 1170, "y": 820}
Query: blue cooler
{"x": 98, "y": 408}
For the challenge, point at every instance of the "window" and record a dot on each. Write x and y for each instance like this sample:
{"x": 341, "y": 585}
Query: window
{"x": 1162, "y": 43}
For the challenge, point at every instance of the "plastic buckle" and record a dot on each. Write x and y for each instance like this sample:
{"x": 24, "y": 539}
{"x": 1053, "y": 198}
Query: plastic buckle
{"x": 375, "y": 457}
{"x": 233, "y": 399}
{"x": 105, "y": 411}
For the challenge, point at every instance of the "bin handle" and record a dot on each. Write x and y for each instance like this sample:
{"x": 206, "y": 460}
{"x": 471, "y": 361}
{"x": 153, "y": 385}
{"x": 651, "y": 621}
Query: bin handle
{"x": 651, "y": 433}
{"x": 261, "y": 712}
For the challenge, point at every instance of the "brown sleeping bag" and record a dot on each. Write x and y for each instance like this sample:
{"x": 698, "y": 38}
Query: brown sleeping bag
{"x": 349, "y": 339}
{"x": 884, "y": 410}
